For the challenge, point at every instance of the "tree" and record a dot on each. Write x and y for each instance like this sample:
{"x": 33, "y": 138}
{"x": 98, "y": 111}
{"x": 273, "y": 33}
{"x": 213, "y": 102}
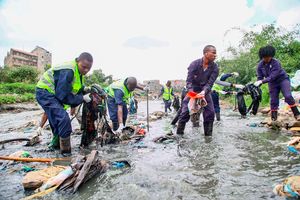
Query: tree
{"x": 244, "y": 57}
{"x": 98, "y": 77}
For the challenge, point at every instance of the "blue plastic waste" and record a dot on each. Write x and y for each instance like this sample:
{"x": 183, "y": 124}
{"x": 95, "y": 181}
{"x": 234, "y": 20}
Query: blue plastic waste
{"x": 293, "y": 150}
{"x": 288, "y": 189}
{"x": 118, "y": 164}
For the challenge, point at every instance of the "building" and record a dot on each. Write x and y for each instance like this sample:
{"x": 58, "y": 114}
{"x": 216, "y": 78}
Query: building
{"x": 44, "y": 57}
{"x": 154, "y": 85}
{"x": 39, "y": 57}
{"x": 17, "y": 58}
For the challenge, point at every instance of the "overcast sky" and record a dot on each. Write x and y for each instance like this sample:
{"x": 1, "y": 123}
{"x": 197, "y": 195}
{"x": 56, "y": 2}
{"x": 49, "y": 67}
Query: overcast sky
{"x": 149, "y": 39}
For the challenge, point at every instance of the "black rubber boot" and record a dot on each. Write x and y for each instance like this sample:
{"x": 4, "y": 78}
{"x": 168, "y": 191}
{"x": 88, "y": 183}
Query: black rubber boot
{"x": 274, "y": 115}
{"x": 218, "y": 116}
{"x": 296, "y": 113}
{"x": 115, "y": 126}
{"x": 65, "y": 145}
{"x": 180, "y": 128}
{"x": 208, "y": 128}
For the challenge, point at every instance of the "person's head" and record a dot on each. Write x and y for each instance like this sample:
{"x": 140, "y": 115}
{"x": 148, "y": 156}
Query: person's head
{"x": 266, "y": 53}
{"x": 210, "y": 53}
{"x": 168, "y": 84}
{"x": 131, "y": 83}
{"x": 85, "y": 62}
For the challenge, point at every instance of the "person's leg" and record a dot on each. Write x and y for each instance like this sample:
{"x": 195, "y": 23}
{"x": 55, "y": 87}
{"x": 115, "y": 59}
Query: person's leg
{"x": 58, "y": 118}
{"x": 125, "y": 114}
{"x": 215, "y": 99}
{"x": 285, "y": 88}
{"x": 208, "y": 116}
{"x": 184, "y": 116}
{"x": 274, "y": 90}
{"x": 176, "y": 118}
{"x": 166, "y": 105}
{"x": 113, "y": 112}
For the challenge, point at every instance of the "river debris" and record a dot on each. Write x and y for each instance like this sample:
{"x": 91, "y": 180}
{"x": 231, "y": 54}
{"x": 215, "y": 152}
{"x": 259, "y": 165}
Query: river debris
{"x": 289, "y": 188}
{"x": 35, "y": 179}
{"x": 165, "y": 139}
{"x": 294, "y": 145}
{"x": 85, "y": 169}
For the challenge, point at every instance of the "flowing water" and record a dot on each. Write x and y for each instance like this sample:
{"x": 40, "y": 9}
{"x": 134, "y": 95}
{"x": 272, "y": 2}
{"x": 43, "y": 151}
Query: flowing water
{"x": 238, "y": 162}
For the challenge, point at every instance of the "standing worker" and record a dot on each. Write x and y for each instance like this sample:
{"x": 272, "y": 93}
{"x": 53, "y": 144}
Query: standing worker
{"x": 119, "y": 94}
{"x": 59, "y": 86}
{"x": 167, "y": 93}
{"x": 269, "y": 71}
{"x": 202, "y": 74}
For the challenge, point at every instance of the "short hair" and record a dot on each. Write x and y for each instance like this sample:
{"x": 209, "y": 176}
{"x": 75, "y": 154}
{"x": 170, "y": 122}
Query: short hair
{"x": 266, "y": 51}
{"x": 207, "y": 48}
{"x": 85, "y": 56}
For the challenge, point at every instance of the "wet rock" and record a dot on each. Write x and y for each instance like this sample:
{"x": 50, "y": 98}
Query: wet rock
{"x": 265, "y": 110}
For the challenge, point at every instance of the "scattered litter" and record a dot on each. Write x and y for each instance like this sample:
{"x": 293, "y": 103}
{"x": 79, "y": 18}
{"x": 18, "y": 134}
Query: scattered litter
{"x": 289, "y": 188}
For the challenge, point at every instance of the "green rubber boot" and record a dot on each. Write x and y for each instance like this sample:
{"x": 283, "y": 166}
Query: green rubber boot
{"x": 54, "y": 144}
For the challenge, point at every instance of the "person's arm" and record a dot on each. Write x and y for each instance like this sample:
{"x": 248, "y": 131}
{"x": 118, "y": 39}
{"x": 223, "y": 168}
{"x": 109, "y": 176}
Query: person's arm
{"x": 172, "y": 92}
{"x": 119, "y": 101}
{"x": 189, "y": 79}
{"x": 161, "y": 92}
{"x": 225, "y": 76}
{"x": 63, "y": 88}
{"x": 274, "y": 72}
{"x": 223, "y": 83}
{"x": 259, "y": 73}
{"x": 214, "y": 75}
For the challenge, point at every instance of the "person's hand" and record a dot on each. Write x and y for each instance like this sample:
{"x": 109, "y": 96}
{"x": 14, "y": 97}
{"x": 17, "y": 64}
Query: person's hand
{"x": 72, "y": 111}
{"x": 120, "y": 129}
{"x": 87, "y": 98}
{"x": 258, "y": 83}
{"x": 236, "y": 74}
{"x": 146, "y": 89}
{"x": 239, "y": 86}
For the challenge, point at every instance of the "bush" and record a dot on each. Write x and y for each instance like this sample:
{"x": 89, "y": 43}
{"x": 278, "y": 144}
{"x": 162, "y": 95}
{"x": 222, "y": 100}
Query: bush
{"x": 16, "y": 88}
{"x": 24, "y": 74}
{"x": 16, "y": 98}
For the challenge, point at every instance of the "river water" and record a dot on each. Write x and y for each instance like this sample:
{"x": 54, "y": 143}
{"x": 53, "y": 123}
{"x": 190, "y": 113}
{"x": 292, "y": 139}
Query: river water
{"x": 238, "y": 162}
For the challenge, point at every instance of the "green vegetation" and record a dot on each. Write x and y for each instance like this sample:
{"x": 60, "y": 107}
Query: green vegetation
{"x": 25, "y": 74}
{"x": 16, "y": 92}
{"x": 244, "y": 58}
{"x": 98, "y": 77}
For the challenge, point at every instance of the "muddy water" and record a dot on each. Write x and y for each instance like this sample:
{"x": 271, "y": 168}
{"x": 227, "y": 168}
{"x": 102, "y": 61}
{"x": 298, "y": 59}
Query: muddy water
{"x": 238, "y": 162}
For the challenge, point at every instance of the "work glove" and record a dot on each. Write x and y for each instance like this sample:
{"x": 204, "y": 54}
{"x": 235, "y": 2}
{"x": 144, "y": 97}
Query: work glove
{"x": 239, "y": 86}
{"x": 120, "y": 129}
{"x": 258, "y": 83}
{"x": 236, "y": 74}
{"x": 87, "y": 98}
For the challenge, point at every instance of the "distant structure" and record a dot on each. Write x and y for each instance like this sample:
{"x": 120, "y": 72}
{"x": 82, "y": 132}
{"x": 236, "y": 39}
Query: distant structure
{"x": 154, "y": 85}
{"x": 38, "y": 57}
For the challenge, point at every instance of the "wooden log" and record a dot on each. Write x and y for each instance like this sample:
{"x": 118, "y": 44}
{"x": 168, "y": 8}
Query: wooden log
{"x": 47, "y": 160}
{"x": 85, "y": 169}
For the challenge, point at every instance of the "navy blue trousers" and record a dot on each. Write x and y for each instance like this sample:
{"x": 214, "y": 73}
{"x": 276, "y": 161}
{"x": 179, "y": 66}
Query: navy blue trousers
{"x": 215, "y": 98}
{"x": 113, "y": 112}
{"x": 58, "y": 118}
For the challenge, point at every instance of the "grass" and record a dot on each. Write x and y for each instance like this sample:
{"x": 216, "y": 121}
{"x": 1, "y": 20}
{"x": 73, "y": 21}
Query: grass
{"x": 16, "y": 92}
